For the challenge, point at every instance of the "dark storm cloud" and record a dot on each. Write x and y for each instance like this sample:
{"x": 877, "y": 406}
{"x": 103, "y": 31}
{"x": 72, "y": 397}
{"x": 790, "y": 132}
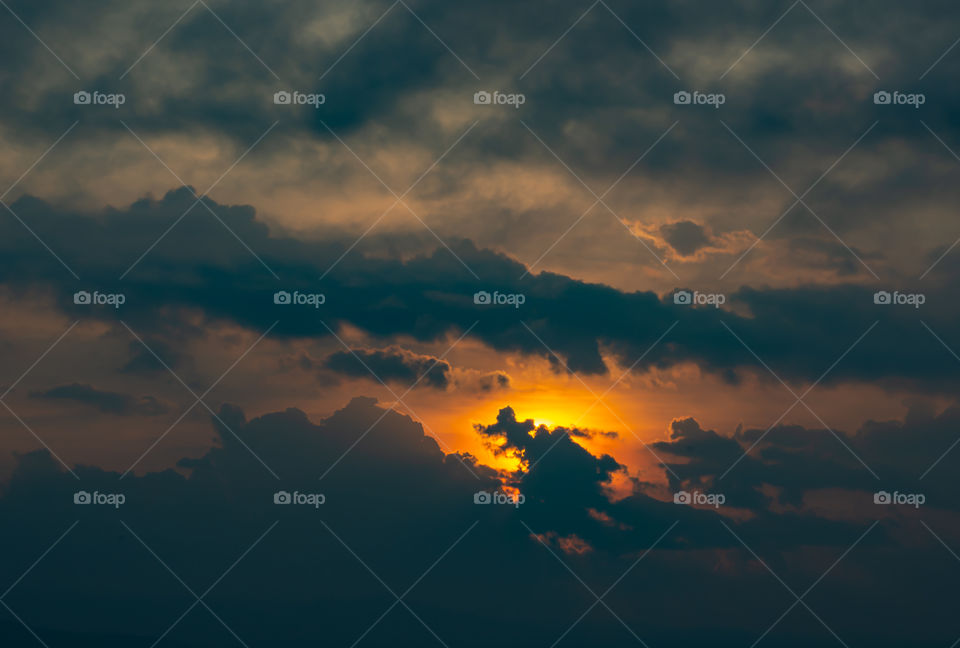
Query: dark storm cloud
{"x": 396, "y": 364}
{"x": 398, "y": 503}
{"x": 568, "y": 484}
{"x": 598, "y": 114}
{"x": 599, "y": 99}
{"x": 799, "y": 99}
{"x": 391, "y": 364}
{"x": 564, "y": 480}
{"x": 531, "y": 442}
{"x": 218, "y": 81}
{"x": 686, "y": 237}
{"x": 106, "y": 401}
{"x": 799, "y": 333}
{"x": 913, "y": 455}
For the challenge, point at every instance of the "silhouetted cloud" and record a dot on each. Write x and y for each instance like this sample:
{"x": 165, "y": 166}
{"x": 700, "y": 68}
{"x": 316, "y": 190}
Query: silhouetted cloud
{"x": 798, "y": 332}
{"x": 686, "y": 237}
{"x": 106, "y": 401}
{"x": 801, "y": 201}
{"x": 383, "y": 479}
{"x": 391, "y": 364}
{"x": 798, "y": 100}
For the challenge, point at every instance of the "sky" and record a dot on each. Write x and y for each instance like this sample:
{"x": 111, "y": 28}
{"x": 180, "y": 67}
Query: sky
{"x": 478, "y": 324}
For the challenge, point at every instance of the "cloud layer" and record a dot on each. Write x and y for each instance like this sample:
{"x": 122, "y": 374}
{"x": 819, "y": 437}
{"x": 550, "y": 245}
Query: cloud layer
{"x": 319, "y": 561}
{"x": 799, "y": 333}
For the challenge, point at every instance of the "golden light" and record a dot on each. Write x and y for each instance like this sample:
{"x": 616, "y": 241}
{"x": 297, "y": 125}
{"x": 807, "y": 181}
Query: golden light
{"x": 550, "y": 399}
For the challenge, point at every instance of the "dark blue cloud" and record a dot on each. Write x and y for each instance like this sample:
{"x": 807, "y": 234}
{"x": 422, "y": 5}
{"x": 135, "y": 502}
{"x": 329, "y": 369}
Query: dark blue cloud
{"x": 800, "y": 333}
{"x": 392, "y": 364}
{"x": 399, "y": 503}
{"x": 106, "y": 401}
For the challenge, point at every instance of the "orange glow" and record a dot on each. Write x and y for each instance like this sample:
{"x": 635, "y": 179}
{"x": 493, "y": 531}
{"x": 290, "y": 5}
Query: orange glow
{"x": 549, "y": 406}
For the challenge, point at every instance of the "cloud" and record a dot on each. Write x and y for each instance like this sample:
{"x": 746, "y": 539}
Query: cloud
{"x": 798, "y": 101}
{"x": 391, "y": 364}
{"x": 701, "y": 197}
{"x": 474, "y": 380}
{"x": 685, "y": 237}
{"x": 494, "y": 380}
{"x": 795, "y": 461}
{"x": 397, "y": 364}
{"x": 107, "y": 402}
{"x": 572, "y": 474}
{"x": 397, "y": 484}
{"x": 798, "y": 332}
